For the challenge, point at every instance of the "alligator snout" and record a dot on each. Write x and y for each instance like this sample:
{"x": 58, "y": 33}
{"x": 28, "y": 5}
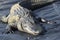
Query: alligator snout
{"x": 32, "y": 31}
{"x": 35, "y": 32}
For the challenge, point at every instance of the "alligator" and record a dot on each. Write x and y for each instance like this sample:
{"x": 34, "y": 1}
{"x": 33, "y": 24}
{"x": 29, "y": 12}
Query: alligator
{"x": 21, "y": 17}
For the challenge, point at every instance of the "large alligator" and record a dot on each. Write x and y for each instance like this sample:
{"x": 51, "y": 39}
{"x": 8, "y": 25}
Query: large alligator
{"x": 20, "y": 17}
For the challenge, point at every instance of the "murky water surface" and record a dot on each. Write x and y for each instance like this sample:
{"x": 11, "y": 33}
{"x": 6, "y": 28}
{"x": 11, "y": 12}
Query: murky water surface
{"x": 50, "y": 12}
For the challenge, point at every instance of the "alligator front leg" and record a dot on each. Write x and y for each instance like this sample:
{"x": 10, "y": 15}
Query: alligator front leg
{"x": 8, "y": 30}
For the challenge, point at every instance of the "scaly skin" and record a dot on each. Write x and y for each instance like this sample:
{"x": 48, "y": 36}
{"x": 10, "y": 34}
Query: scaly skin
{"x": 20, "y": 17}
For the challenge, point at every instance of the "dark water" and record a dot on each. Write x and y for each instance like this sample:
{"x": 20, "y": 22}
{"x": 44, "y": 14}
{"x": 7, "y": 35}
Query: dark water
{"x": 50, "y": 12}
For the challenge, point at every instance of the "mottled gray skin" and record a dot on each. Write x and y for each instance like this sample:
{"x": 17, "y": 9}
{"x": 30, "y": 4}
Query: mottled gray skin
{"x": 21, "y": 19}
